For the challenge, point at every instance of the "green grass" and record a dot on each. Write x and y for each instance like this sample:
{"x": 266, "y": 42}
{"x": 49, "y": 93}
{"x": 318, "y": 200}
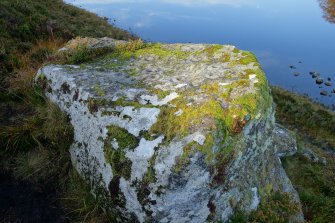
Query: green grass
{"x": 314, "y": 127}
{"x": 34, "y": 134}
{"x": 24, "y": 22}
{"x": 312, "y": 121}
{"x": 315, "y": 184}
{"x": 278, "y": 207}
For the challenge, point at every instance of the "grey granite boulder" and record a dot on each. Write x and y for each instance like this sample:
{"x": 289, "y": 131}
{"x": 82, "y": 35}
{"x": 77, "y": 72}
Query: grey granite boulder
{"x": 172, "y": 132}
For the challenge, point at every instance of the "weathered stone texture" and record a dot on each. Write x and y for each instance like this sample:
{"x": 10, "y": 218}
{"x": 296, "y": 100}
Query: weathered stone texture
{"x": 172, "y": 133}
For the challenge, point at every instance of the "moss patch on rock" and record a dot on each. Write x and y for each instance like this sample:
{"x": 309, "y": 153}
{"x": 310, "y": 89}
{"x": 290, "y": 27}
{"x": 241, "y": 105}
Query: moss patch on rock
{"x": 121, "y": 165}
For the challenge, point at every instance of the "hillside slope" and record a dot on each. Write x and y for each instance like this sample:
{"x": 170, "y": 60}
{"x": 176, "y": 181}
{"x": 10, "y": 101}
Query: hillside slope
{"x": 25, "y": 22}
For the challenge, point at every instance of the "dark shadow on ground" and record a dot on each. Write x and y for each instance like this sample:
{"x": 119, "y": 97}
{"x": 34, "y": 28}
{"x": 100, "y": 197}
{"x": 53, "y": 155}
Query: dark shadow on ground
{"x": 23, "y": 202}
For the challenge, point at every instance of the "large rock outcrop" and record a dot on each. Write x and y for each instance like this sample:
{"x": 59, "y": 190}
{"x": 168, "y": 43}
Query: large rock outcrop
{"x": 172, "y": 132}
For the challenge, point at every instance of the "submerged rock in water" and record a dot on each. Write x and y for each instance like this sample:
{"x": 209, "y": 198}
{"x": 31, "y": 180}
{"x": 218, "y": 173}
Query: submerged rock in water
{"x": 327, "y": 83}
{"x": 173, "y": 132}
{"x": 324, "y": 93}
{"x": 319, "y": 80}
{"x": 296, "y": 74}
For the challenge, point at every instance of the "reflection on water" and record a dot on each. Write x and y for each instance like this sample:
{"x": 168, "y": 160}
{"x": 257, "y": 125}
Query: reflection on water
{"x": 328, "y": 7}
{"x": 282, "y": 34}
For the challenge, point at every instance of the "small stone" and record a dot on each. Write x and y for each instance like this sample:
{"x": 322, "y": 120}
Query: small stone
{"x": 328, "y": 83}
{"x": 300, "y": 62}
{"x": 314, "y": 75}
{"x": 319, "y": 81}
{"x": 296, "y": 74}
{"x": 292, "y": 67}
{"x": 333, "y": 91}
{"x": 329, "y": 79}
{"x": 324, "y": 93}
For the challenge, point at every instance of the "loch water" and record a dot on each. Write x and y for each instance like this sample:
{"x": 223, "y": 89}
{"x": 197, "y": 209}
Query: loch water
{"x": 291, "y": 38}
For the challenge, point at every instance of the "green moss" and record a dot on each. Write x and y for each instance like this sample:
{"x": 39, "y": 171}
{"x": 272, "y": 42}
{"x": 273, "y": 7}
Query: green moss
{"x": 121, "y": 165}
{"x": 157, "y": 50}
{"x": 233, "y": 117}
{"x": 247, "y": 58}
{"x": 225, "y": 58}
{"x": 160, "y": 93}
{"x": 211, "y": 50}
{"x": 124, "y": 139}
{"x": 99, "y": 91}
{"x": 236, "y": 50}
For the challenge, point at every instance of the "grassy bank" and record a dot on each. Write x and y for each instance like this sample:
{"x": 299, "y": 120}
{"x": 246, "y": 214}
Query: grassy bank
{"x": 34, "y": 134}
{"x": 26, "y": 23}
{"x": 314, "y": 126}
{"x": 311, "y": 121}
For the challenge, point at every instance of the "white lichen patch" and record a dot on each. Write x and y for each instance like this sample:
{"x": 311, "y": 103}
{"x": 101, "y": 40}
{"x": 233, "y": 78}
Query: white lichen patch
{"x": 252, "y": 76}
{"x": 141, "y": 119}
{"x": 153, "y": 99}
{"x": 132, "y": 204}
{"x": 140, "y": 157}
{"x": 224, "y": 84}
{"x": 180, "y": 85}
{"x": 115, "y": 144}
{"x": 166, "y": 157}
{"x": 255, "y": 199}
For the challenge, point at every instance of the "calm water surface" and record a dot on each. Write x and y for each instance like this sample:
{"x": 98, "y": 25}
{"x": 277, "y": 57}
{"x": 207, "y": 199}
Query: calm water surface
{"x": 280, "y": 33}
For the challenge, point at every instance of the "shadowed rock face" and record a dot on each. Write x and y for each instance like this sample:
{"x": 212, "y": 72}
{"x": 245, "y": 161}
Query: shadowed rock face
{"x": 172, "y": 132}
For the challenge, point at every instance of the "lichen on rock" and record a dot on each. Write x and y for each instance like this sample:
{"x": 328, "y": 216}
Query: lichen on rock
{"x": 173, "y": 132}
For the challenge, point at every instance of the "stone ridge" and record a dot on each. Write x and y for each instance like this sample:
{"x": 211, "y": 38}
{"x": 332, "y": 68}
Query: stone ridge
{"x": 166, "y": 130}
